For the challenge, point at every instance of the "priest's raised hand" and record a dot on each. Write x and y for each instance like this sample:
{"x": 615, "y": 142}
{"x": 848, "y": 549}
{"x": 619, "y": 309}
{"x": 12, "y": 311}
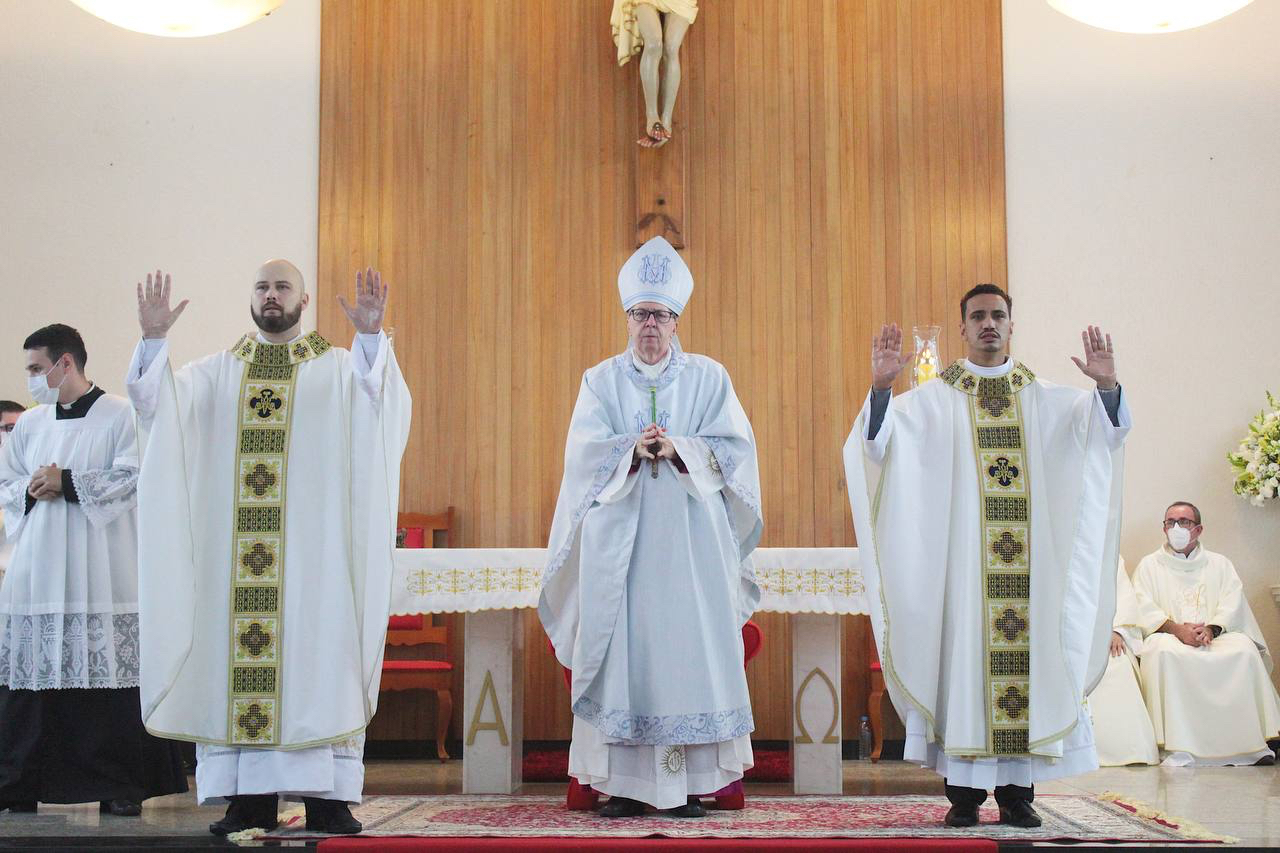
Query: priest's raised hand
{"x": 1099, "y": 358}
{"x": 887, "y": 358}
{"x": 154, "y": 315}
{"x": 371, "y": 302}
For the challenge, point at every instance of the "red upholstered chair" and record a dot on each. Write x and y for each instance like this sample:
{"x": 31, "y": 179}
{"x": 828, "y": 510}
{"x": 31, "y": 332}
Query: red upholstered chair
{"x": 584, "y": 798}
{"x": 415, "y": 530}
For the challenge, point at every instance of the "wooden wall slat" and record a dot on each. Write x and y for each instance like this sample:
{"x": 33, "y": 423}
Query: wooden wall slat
{"x": 843, "y": 166}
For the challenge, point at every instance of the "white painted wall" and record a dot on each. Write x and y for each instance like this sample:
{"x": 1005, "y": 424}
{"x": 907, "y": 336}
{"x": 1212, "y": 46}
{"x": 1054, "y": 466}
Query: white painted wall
{"x": 121, "y": 152}
{"x": 1144, "y": 195}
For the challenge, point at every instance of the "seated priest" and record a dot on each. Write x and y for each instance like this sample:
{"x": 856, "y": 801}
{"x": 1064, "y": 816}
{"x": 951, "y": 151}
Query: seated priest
{"x": 1121, "y": 726}
{"x": 1205, "y": 665}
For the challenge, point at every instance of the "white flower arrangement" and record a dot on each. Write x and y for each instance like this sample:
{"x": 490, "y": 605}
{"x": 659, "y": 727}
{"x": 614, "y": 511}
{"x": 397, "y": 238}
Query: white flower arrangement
{"x": 1257, "y": 462}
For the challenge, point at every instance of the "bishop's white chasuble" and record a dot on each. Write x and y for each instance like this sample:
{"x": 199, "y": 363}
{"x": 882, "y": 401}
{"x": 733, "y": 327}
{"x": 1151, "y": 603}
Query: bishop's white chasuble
{"x": 649, "y": 580}
{"x": 987, "y": 512}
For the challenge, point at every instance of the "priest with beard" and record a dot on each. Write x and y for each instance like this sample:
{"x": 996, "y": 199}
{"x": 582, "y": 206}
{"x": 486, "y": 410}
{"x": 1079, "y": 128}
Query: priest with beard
{"x": 267, "y": 498}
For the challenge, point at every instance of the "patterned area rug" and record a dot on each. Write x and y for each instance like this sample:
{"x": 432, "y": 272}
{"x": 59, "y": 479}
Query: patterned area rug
{"x": 1075, "y": 818}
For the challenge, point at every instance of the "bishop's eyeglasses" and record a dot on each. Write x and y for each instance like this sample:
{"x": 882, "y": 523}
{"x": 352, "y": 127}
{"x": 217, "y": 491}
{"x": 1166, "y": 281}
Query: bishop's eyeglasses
{"x": 642, "y": 315}
{"x": 1184, "y": 523}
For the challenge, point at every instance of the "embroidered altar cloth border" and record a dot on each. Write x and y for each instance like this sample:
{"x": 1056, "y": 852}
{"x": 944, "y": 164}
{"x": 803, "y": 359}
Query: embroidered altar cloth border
{"x": 466, "y": 580}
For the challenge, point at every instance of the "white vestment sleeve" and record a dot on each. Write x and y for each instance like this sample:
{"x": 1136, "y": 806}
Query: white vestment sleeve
{"x": 15, "y": 479}
{"x": 704, "y": 479}
{"x": 1115, "y": 434}
{"x": 369, "y": 362}
{"x": 146, "y": 370}
{"x": 106, "y": 493}
{"x": 877, "y": 447}
{"x": 1132, "y": 636}
{"x": 619, "y": 484}
{"x": 1153, "y": 615}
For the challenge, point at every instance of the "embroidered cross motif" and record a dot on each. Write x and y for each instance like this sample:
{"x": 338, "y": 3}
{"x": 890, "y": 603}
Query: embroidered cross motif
{"x": 261, "y": 479}
{"x": 1007, "y": 548}
{"x": 300, "y": 350}
{"x": 1003, "y": 471}
{"x": 254, "y": 721}
{"x": 258, "y": 559}
{"x": 255, "y": 640}
{"x": 266, "y": 404}
{"x": 1013, "y": 702}
{"x": 968, "y": 383}
{"x": 995, "y": 406}
{"x": 1010, "y": 624}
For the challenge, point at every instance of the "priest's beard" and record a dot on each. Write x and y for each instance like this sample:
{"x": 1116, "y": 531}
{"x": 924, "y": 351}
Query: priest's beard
{"x": 274, "y": 324}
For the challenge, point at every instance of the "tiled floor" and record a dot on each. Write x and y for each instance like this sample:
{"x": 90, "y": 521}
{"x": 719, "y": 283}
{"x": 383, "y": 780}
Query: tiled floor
{"x": 1239, "y": 801}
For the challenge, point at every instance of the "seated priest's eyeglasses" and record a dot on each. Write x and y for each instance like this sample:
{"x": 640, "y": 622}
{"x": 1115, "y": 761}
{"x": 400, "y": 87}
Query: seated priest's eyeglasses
{"x": 1184, "y": 523}
{"x": 642, "y": 315}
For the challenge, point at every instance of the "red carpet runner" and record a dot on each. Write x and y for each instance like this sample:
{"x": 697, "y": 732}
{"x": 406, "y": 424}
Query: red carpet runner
{"x": 666, "y": 845}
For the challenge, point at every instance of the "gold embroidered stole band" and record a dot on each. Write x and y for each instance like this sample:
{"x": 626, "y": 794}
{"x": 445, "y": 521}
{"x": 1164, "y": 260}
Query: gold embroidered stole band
{"x": 257, "y": 576}
{"x": 995, "y": 411}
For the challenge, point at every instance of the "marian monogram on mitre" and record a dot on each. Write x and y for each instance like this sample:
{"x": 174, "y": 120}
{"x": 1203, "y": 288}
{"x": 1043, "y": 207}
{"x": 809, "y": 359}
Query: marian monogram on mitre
{"x": 655, "y": 270}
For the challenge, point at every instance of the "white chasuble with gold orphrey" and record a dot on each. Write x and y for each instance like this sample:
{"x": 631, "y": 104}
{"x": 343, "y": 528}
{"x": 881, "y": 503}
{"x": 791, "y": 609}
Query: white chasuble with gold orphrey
{"x": 986, "y": 508}
{"x": 269, "y": 482}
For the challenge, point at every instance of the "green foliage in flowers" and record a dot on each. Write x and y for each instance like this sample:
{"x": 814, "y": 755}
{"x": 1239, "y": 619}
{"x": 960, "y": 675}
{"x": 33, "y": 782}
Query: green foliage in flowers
{"x": 1257, "y": 461}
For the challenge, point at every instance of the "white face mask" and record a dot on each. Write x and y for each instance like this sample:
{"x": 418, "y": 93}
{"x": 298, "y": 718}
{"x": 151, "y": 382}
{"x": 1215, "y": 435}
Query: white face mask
{"x": 1179, "y": 537}
{"x": 40, "y": 389}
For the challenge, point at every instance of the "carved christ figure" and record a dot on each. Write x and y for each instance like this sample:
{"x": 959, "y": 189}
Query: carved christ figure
{"x": 654, "y": 29}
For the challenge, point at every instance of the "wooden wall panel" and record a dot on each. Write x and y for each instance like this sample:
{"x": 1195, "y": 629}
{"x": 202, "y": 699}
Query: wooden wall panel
{"x": 843, "y": 166}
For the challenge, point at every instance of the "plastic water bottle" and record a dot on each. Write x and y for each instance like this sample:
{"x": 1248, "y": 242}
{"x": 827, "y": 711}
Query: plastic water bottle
{"x": 865, "y": 740}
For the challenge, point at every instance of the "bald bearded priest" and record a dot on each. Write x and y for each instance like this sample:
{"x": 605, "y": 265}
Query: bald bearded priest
{"x": 649, "y": 580}
{"x": 267, "y": 505}
{"x": 987, "y": 511}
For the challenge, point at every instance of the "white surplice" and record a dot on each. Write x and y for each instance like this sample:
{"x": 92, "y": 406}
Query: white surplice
{"x": 649, "y": 580}
{"x": 914, "y": 493}
{"x": 1122, "y": 728}
{"x": 69, "y": 600}
{"x": 349, "y": 425}
{"x": 1211, "y": 705}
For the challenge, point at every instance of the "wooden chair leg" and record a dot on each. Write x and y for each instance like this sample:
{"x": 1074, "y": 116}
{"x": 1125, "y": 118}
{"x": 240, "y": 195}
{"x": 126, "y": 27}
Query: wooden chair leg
{"x": 874, "y": 702}
{"x": 444, "y": 712}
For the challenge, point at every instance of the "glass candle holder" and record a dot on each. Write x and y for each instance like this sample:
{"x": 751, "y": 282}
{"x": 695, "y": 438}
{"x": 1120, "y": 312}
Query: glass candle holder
{"x": 926, "y": 366}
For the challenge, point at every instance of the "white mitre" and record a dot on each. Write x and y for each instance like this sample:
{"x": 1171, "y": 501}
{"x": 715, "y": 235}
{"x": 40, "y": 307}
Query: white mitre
{"x": 655, "y": 273}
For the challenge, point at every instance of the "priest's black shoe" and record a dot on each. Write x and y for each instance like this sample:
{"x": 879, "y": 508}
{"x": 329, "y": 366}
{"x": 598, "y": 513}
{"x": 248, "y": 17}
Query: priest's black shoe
{"x": 622, "y": 807}
{"x": 256, "y": 811}
{"x": 20, "y": 806}
{"x": 331, "y": 816}
{"x": 1020, "y": 814}
{"x": 959, "y": 817}
{"x": 693, "y": 808}
{"x": 120, "y": 808}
